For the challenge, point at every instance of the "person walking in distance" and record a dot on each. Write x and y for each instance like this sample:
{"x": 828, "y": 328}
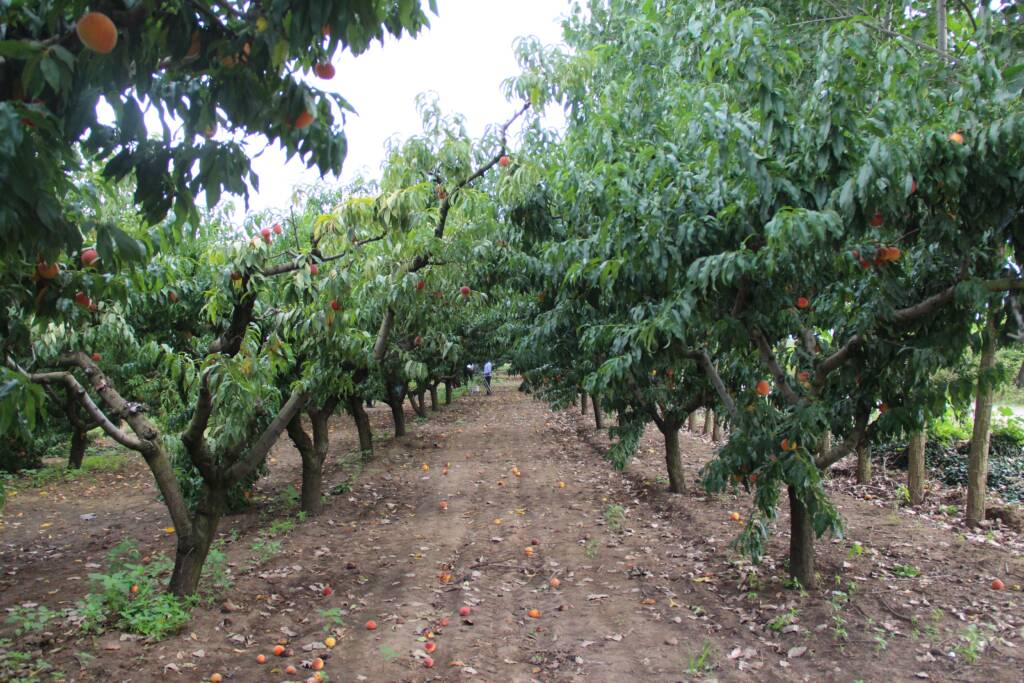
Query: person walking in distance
{"x": 487, "y": 376}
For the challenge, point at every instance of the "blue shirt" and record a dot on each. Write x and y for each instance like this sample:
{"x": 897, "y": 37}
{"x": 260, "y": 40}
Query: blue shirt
{"x": 487, "y": 368}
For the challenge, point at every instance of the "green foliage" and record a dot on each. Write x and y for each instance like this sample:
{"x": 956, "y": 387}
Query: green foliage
{"x": 703, "y": 661}
{"x": 18, "y": 666}
{"x": 614, "y": 517}
{"x": 907, "y": 571}
{"x": 714, "y": 222}
{"x": 1005, "y": 467}
{"x": 947, "y": 430}
{"x": 244, "y": 75}
{"x": 1008, "y": 438}
{"x": 333, "y": 617}
{"x": 93, "y": 464}
{"x": 30, "y": 618}
{"x": 149, "y": 611}
{"x": 973, "y": 644}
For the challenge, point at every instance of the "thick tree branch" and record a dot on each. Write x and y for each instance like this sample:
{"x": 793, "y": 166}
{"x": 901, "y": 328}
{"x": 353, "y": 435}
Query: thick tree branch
{"x": 78, "y": 392}
{"x": 902, "y": 316}
{"x": 705, "y": 363}
{"x": 381, "y": 345}
{"x": 147, "y": 436}
{"x": 810, "y": 341}
{"x": 773, "y": 366}
{"x": 822, "y": 369}
{"x": 258, "y": 451}
{"x": 847, "y": 445}
{"x": 231, "y": 341}
{"x": 659, "y": 421}
{"x": 291, "y": 266}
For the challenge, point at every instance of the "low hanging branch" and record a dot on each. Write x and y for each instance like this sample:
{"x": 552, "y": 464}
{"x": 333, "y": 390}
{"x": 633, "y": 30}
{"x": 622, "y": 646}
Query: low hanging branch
{"x": 903, "y": 316}
{"x": 146, "y": 438}
{"x": 847, "y": 445}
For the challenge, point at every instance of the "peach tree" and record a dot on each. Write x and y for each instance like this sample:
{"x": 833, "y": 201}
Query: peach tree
{"x": 812, "y": 259}
{"x": 164, "y": 96}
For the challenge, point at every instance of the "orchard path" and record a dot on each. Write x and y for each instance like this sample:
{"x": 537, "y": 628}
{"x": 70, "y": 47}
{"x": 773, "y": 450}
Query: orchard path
{"x": 654, "y": 594}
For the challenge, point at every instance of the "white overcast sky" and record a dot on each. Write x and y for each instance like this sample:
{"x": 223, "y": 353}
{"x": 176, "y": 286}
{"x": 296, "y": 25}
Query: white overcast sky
{"x": 463, "y": 57}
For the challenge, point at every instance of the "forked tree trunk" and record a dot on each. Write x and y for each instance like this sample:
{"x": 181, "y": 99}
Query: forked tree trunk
{"x": 193, "y": 548}
{"x": 801, "y": 542}
{"x": 977, "y": 459}
{"x": 583, "y": 403}
{"x": 313, "y": 453}
{"x": 915, "y": 467}
{"x": 864, "y": 464}
{"x": 673, "y": 461}
{"x": 416, "y": 400}
{"x": 362, "y": 420}
{"x": 598, "y": 418}
{"x": 434, "y": 402}
{"x": 709, "y": 415}
{"x": 79, "y": 440}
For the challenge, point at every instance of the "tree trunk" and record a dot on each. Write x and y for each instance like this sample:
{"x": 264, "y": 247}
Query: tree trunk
{"x": 598, "y": 418}
{"x": 79, "y": 440}
{"x": 940, "y": 26}
{"x": 716, "y": 429}
{"x": 801, "y": 542}
{"x": 312, "y": 485}
{"x": 398, "y": 415}
{"x": 673, "y": 462}
{"x": 692, "y": 422}
{"x": 435, "y": 404}
{"x": 194, "y": 547}
{"x": 448, "y": 393}
{"x": 915, "y": 467}
{"x": 864, "y": 464}
{"x": 977, "y": 459}
{"x": 709, "y": 415}
{"x": 313, "y": 453}
{"x": 362, "y": 420}
{"x": 416, "y": 400}
{"x": 583, "y": 403}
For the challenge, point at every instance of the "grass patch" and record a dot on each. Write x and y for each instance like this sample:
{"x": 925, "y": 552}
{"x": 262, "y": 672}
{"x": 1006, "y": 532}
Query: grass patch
{"x": 101, "y": 462}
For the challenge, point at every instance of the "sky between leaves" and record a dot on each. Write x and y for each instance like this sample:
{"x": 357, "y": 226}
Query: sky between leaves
{"x": 463, "y": 57}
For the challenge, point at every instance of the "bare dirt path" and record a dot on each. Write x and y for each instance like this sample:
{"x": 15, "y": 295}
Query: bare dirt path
{"x": 649, "y": 588}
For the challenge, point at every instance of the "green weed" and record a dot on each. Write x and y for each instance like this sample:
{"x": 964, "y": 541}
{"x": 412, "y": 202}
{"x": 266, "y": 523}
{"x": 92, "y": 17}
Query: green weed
{"x": 702, "y": 661}
{"x": 614, "y": 516}
{"x": 783, "y": 620}
{"x": 907, "y": 571}
{"x": 30, "y": 618}
{"x": 333, "y": 618}
{"x": 131, "y": 597}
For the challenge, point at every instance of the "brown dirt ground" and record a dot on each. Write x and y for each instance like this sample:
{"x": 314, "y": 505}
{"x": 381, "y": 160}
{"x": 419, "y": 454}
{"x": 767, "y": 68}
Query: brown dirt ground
{"x": 655, "y": 594}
